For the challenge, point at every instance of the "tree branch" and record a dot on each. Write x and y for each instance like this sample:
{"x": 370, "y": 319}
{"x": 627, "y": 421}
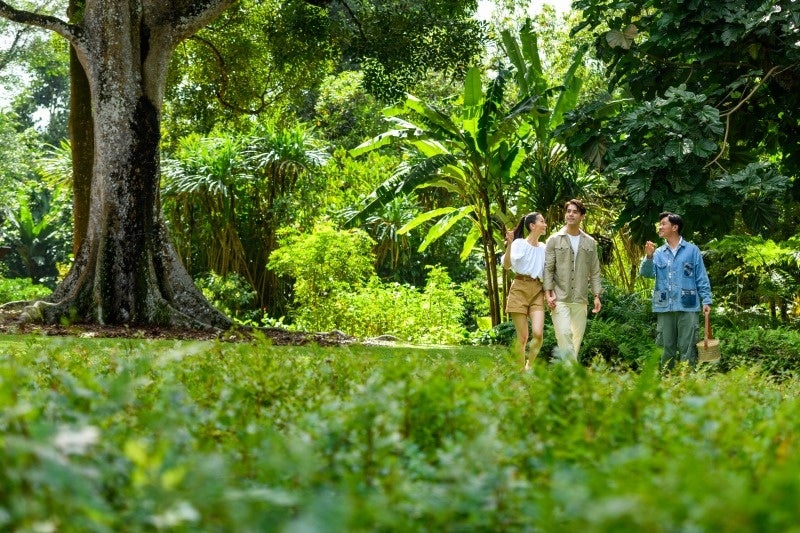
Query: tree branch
{"x": 773, "y": 71}
{"x": 354, "y": 18}
{"x": 777, "y": 69}
{"x": 190, "y": 18}
{"x": 221, "y": 89}
{"x": 46, "y": 22}
{"x": 715, "y": 161}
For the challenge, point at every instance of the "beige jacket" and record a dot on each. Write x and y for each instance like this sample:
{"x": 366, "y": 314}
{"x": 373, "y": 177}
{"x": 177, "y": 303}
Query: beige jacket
{"x": 561, "y": 272}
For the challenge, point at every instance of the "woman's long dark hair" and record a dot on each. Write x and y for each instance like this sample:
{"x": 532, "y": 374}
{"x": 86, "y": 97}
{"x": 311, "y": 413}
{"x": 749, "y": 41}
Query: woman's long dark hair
{"x": 524, "y": 223}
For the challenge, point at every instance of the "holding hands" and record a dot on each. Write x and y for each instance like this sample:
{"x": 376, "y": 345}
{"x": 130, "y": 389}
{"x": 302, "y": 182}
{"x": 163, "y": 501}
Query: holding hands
{"x": 551, "y": 299}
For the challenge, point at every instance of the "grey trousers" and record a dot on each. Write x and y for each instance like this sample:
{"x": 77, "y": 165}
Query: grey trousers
{"x": 677, "y": 334}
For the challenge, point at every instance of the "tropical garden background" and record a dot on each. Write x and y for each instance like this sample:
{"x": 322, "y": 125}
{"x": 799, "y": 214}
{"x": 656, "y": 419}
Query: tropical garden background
{"x": 352, "y": 166}
{"x": 361, "y": 181}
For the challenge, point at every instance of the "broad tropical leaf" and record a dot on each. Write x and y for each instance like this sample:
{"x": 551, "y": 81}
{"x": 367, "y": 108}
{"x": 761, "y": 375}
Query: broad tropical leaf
{"x": 424, "y": 217}
{"x": 473, "y": 237}
{"x": 473, "y": 88}
{"x": 443, "y": 226}
{"x": 406, "y": 179}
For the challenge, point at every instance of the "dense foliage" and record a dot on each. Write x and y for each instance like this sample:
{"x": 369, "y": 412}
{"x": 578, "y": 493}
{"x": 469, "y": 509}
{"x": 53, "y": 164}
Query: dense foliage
{"x": 265, "y": 104}
{"x": 336, "y": 288}
{"x": 262, "y": 57}
{"x": 713, "y": 92}
{"x": 134, "y": 435}
{"x": 699, "y": 115}
{"x": 226, "y": 195}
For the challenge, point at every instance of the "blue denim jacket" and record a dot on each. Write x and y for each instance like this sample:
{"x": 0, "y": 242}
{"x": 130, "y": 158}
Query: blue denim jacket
{"x": 681, "y": 279}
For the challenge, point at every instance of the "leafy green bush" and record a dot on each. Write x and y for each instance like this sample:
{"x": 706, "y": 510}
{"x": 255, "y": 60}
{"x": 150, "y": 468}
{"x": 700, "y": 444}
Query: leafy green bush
{"x": 432, "y": 315}
{"x": 503, "y": 333}
{"x": 109, "y": 435}
{"x": 232, "y": 295}
{"x": 476, "y": 302}
{"x": 17, "y": 289}
{"x": 336, "y": 289}
{"x": 619, "y": 343}
{"x": 623, "y": 333}
{"x": 775, "y": 350}
{"x": 38, "y": 229}
{"x": 323, "y": 262}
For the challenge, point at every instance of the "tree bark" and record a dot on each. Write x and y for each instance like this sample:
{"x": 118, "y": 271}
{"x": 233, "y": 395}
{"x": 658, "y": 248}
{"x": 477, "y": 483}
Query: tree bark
{"x": 126, "y": 270}
{"x": 81, "y": 133}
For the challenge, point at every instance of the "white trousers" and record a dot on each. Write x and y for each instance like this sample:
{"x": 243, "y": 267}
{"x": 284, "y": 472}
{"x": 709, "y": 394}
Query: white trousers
{"x": 569, "y": 323}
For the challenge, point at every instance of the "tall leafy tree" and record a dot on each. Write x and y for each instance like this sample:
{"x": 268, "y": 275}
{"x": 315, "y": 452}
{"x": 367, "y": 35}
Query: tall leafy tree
{"x": 716, "y": 89}
{"x": 126, "y": 270}
{"x": 495, "y": 158}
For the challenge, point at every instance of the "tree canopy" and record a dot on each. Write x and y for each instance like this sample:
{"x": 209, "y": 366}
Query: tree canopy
{"x": 737, "y": 63}
{"x": 264, "y": 57}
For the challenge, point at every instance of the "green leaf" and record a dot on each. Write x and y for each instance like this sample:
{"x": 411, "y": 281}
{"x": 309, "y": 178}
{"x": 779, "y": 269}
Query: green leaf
{"x": 568, "y": 98}
{"x": 472, "y": 238}
{"x": 530, "y": 50}
{"x": 514, "y": 53}
{"x": 384, "y": 139}
{"x": 443, "y": 226}
{"x": 473, "y": 88}
{"x": 432, "y": 115}
{"x": 424, "y": 217}
{"x": 405, "y": 180}
{"x": 429, "y": 148}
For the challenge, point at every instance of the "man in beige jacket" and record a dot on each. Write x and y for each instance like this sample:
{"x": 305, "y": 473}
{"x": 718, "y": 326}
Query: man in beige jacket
{"x": 571, "y": 266}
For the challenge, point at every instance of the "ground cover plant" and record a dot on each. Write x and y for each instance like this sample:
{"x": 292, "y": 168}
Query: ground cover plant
{"x": 134, "y": 434}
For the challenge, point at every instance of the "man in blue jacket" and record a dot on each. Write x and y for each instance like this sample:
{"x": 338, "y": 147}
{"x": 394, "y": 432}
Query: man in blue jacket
{"x": 681, "y": 287}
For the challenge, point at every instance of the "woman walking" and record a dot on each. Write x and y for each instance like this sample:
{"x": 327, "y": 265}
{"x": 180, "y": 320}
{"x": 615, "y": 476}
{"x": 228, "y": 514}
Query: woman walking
{"x": 525, "y": 257}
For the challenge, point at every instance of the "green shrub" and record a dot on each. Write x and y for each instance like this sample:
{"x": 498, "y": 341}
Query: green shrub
{"x": 324, "y": 262}
{"x": 775, "y": 350}
{"x": 336, "y": 289}
{"x": 134, "y": 435}
{"x": 17, "y": 289}
{"x": 622, "y": 344}
{"x": 503, "y": 333}
{"x": 433, "y": 315}
{"x": 232, "y": 295}
{"x": 476, "y": 301}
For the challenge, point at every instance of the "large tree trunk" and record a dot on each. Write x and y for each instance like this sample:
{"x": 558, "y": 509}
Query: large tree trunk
{"x": 126, "y": 270}
{"x": 81, "y": 133}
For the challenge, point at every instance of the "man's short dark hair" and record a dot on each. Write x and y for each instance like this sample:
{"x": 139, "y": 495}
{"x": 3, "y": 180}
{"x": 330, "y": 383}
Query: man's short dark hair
{"x": 674, "y": 219}
{"x": 578, "y": 205}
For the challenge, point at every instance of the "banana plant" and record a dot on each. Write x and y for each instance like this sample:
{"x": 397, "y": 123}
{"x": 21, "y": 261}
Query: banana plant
{"x": 551, "y": 174}
{"x": 496, "y": 159}
{"x": 33, "y": 238}
{"x": 473, "y": 152}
